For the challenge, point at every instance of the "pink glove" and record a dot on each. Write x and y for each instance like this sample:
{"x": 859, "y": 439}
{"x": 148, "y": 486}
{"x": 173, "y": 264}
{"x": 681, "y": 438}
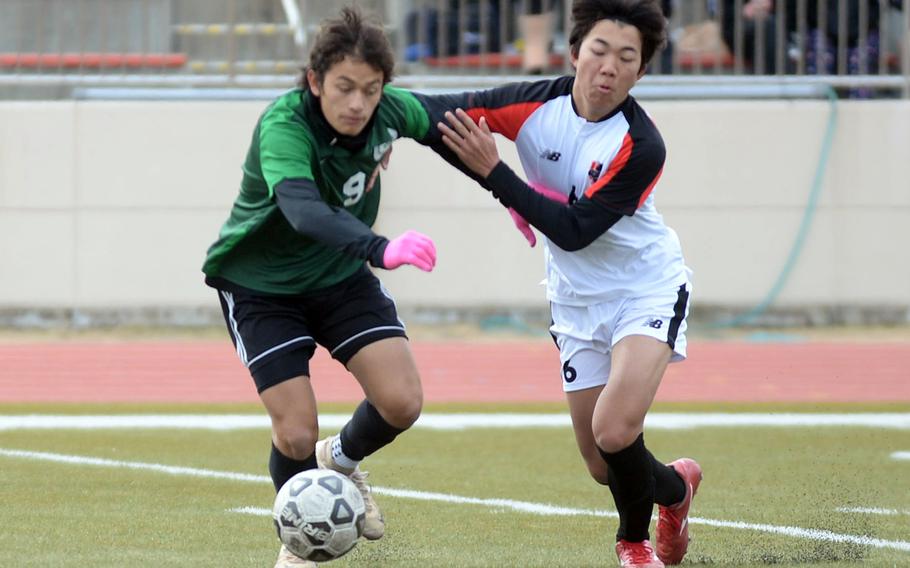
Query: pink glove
{"x": 412, "y": 248}
{"x": 523, "y": 227}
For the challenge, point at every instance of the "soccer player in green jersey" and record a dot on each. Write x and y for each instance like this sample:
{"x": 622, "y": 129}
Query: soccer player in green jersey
{"x": 290, "y": 263}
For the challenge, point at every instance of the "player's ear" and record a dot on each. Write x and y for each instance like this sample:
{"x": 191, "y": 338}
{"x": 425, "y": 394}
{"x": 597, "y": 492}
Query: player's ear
{"x": 312, "y": 81}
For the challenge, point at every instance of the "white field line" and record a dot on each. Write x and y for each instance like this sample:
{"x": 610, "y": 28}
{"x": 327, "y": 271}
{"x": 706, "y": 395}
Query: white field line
{"x": 872, "y": 511}
{"x": 900, "y": 456}
{"x": 497, "y": 504}
{"x": 658, "y": 420}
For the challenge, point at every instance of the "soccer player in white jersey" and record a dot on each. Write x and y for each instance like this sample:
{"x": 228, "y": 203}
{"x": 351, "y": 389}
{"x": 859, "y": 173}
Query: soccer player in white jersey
{"x": 616, "y": 278}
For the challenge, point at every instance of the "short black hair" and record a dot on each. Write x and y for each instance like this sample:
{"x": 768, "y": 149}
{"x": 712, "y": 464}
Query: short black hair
{"x": 646, "y": 15}
{"x": 350, "y": 35}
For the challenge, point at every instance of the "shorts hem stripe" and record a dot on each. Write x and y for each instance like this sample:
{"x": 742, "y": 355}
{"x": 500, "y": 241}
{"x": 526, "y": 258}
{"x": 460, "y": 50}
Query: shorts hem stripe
{"x": 362, "y": 333}
{"x": 277, "y": 347}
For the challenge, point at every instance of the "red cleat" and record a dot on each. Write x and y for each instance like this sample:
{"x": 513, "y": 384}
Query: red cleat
{"x": 637, "y": 555}
{"x": 672, "y": 531}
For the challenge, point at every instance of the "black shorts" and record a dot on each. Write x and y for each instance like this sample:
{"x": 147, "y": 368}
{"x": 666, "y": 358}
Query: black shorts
{"x": 276, "y": 336}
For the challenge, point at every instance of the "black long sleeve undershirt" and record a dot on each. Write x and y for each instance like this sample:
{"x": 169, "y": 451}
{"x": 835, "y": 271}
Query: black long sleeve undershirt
{"x": 311, "y": 216}
{"x": 570, "y": 227}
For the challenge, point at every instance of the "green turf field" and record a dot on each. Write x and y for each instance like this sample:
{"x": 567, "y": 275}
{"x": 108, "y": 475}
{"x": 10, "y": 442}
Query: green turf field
{"x": 518, "y": 496}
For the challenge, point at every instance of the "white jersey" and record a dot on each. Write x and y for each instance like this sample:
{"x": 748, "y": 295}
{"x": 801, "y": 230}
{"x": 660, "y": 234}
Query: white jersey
{"x": 639, "y": 254}
{"x": 618, "y": 243}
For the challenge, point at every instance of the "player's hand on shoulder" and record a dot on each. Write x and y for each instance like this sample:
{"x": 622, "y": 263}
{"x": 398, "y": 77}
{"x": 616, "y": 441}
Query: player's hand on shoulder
{"x": 472, "y": 142}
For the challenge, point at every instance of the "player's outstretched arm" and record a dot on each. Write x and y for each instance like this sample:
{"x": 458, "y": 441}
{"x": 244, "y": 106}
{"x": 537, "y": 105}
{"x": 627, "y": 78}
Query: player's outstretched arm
{"x": 305, "y": 210}
{"x": 569, "y": 227}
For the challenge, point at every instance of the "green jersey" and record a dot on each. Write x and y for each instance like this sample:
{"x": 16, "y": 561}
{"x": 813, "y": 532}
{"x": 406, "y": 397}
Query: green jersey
{"x": 297, "y": 156}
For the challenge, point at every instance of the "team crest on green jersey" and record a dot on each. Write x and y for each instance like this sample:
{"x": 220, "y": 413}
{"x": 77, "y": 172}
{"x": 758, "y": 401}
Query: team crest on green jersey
{"x": 379, "y": 151}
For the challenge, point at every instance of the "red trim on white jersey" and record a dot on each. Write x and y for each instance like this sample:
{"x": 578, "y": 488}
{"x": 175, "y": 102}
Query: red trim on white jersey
{"x": 506, "y": 120}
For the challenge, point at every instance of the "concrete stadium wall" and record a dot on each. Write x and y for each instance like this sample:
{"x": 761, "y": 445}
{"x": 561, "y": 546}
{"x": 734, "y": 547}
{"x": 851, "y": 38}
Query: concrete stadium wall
{"x": 111, "y": 206}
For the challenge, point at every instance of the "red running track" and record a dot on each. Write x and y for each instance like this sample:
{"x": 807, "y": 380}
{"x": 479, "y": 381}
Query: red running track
{"x": 452, "y": 371}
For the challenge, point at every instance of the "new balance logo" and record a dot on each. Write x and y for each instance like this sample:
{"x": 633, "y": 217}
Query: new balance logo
{"x": 655, "y": 323}
{"x": 551, "y": 155}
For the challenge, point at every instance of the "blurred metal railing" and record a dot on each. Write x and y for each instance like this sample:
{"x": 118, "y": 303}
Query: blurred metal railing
{"x": 859, "y": 46}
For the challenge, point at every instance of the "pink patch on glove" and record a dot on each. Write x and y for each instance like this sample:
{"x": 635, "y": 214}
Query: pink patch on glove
{"x": 551, "y": 194}
{"x": 411, "y": 248}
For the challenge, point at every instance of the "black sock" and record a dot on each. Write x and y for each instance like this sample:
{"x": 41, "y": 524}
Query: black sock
{"x": 366, "y": 432}
{"x": 283, "y": 468}
{"x": 632, "y": 485}
{"x": 669, "y": 487}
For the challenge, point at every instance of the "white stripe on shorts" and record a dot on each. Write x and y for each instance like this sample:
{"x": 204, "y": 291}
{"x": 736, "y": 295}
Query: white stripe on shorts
{"x": 362, "y": 333}
{"x": 389, "y": 296}
{"x": 241, "y": 349}
{"x": 281, "y": 346}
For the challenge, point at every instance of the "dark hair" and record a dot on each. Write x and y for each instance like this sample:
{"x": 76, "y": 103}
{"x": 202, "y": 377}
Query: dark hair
{"x": 350, "y": 35}
{"x": 646, "y": 15}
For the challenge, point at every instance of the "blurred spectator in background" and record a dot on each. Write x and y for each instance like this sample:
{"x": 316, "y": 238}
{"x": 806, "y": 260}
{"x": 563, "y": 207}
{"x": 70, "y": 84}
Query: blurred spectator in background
{"x": 665, "y": 60}
{"x": 823, "y": 36}
{"x": 478, "y": 31}
{"x": 759, "y": 31}
{"x": 862, "y": 49}
{"x": 536, "y": 26}
{"x": 819, "y": 48}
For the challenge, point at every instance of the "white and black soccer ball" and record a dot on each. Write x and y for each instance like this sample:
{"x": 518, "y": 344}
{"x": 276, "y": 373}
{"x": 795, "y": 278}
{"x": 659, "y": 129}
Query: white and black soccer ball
{"x": 319, "y": 514}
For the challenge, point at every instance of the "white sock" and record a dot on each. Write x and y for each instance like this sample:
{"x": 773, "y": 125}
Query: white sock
{"x": 339, "y": 457}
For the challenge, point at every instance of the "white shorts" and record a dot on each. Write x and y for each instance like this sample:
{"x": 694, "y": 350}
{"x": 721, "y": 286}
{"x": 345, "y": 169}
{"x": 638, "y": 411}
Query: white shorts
{"x": 586, "y": 335}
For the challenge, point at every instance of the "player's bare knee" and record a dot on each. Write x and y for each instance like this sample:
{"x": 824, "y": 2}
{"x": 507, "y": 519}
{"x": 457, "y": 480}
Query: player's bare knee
{"x": 616, "y": 439}
{"x": 404, "y": 412}
{"x": 296, "y": 442}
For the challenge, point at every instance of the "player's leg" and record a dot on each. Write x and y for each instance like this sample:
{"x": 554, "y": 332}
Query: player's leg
{"x": 581, "y": 410}
{"x": 583, "y": 336}
{"x": 274, "y": 343}
{"x": 394, "y": 398}
{"x": 388, "y": 374}
{"x": 646, "y": 337}
{"x": 663, "y": 318}
{"x": 637, "y": 366}
{"x": 292, "y": 410}
{"x": 585, "y": 368}
{"x": 636, "y": 478}
{"x": 364, "y": 333}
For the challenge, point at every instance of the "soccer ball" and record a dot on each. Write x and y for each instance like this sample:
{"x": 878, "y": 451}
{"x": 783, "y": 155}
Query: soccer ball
{"x": 319, "y": 514}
